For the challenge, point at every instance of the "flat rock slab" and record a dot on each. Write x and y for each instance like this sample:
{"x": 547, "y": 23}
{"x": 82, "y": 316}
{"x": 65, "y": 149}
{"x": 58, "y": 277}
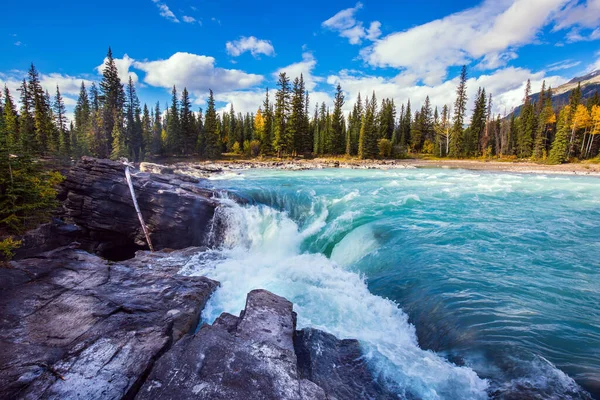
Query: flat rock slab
{"x": 74, "y": 326}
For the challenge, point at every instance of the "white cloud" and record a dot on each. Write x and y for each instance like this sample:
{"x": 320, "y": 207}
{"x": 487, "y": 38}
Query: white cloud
{"x": 574, "y": 35}
{"x": 165, "y": 11}
{"x": 560, "y": 65}
{"x": 123, "y": 65}
{"x": 304, "y": 67}
{"x": 579, "y": 13}
{"x": 188, "y": 19}
{"x": 345, "y": 23}
{"x": 507, "y": 86}
{"x": 196, "y": 72}
{"x": 489, "y": 32}
{"x": 252, "y": 44}
{"x": 17, "y": 43}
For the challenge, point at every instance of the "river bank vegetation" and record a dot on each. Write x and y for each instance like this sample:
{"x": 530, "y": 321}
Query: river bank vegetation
{"x": 110, "y": 122}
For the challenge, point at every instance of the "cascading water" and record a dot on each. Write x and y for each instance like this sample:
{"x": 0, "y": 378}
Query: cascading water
{"x": 355, "y": 251}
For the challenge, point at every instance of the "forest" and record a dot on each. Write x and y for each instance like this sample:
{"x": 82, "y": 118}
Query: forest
{"x": 110, "y": 122}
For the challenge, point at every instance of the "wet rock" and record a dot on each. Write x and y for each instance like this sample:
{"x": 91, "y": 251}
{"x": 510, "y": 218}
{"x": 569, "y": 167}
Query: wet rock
{"x": 259, "y": 355}
{"x": 177, "y": 209}
{"x": 76, "y": 326}
{"x": 337, "y": 366}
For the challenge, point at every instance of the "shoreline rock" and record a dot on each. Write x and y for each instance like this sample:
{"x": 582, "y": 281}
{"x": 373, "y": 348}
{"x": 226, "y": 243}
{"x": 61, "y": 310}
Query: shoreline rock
{"x": 76, "y": 326}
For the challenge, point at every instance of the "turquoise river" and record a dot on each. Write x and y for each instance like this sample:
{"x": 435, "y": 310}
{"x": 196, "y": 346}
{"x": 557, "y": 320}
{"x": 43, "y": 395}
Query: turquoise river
{"x": 458, "y": 284}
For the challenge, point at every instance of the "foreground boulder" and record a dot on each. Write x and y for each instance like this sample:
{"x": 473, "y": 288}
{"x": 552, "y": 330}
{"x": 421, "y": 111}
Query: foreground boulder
{"x": 74, "y": 326}
{"x": 177, "y": 210}
{"x": 259, "y": 355}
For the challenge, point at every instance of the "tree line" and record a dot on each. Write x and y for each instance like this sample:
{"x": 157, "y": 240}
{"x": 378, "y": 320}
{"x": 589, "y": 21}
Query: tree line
{"x": 110, "y": 122}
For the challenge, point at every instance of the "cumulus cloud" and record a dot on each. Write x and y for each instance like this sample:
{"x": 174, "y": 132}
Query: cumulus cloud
{"x": 123, "y": 66}
{"x": 252, "y": 44}
{"x": 165, "y": 12}
{"x": 188, "y": 19}
{"x": 490, "y": 33}
{"x": 196, "y": 72}
{"x": 304, "y": 67}
{"x": 346, "y": 24}
{"x": 507, "y": 86}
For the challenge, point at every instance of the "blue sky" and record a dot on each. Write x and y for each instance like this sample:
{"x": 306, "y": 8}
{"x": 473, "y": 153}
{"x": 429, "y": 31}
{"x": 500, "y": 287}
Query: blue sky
{"x": 401, "y": 49}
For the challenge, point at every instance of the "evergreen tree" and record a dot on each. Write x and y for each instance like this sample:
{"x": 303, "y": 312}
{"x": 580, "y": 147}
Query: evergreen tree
{"x": 526, "y": 127}
{"x": 173, "y": 125}
{"x": 80, "y": 144}
{"x": 46, "y": 137}
{"x": 10, "y": 121}
{"x": 119, "y": 147}
{"x": 133, "y": 126}
{"x": 146, "y": 132}
{"x": 267, "y": 139}
{"x": 297, "y": 120}
{"x": 188, "y": 128}
{"x": 354, "y": 125}
{"x": 405, "y": 125}
{"x": 336, "y": 143}
{"x": 112, "y": 99}
{"x": 157, "y": 128}
{"x": 367, "y": 147}
{"x": 27, "y": 136}
{"x": 477, "y": 127}
{"x": 456, "y": 145}
{"x": 213, "y": 147}
{"x": 558, "y": 153}
{"x": 61, "y": 124}
{"x": 282, "y": 140}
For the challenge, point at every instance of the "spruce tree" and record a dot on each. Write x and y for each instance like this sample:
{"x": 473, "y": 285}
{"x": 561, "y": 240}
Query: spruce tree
{"x": 173, "y": 125}
{"x": 82, "y": 116}
{"x": 61, "y": 125}
{"x": 526, "y": 126}
{"x": 297, "y": 121}
{"x": 282, "y": 140}
{"x": 188, "y": 128}
{"x": 558, "y": 152}
{"x": 266, "y": 147}
{"x": 456, "y": 145}
{"x": 367, "y": 146}
{"x": 157, "y": 128}
{"x": 27, "y": 136}
{"x": 213, "y": 147}
{"x": 112, "y": 99}
{"x": 119, "y": 147}
{"x": 336, "y": 143}
{"x": 10, "y": 120}
{"x": 146, "y": 132}
{"x": 477, "y": 126}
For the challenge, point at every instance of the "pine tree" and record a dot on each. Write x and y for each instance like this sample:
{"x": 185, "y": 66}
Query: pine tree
{"x": 173, "y": 125}
{"x": 146, "y": 132}
{"x": 526, "y": 126}
{"x": 188, "y": 129}
{"x": 157, "y": 128}
{"x": 296, "y": 126}
{"x": 133, "y": 124}
{"x": 119, "y": 147}
{"x": 112, "y": 99}
{"x": 477, "y": 126}
{"x": 46, "y": 137}
{"x": 27, "y": 136}
{"x": 456, "y": 145}
{"x": 558, "y": 153}
{"x": 266, "y": 147}
{"x": 61, "y": 124}
{"x": 10, "y": 121}
{"x": 367, "y": 147}
{"x": 281, "y": 140}
{"x": 213, "y": 147}
{"x": 354, "y": 125}
{"x": 82, "y": 114}
{"x": 336, "y": 140}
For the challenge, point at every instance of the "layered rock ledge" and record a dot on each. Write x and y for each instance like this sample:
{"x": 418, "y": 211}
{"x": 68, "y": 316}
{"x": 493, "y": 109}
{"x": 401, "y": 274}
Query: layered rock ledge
{"x": 75, "y": 326}
{"x": 177, "y": 209}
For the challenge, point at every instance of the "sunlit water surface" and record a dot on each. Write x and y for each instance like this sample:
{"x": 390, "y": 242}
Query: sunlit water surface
{"x": 458, "y": 284}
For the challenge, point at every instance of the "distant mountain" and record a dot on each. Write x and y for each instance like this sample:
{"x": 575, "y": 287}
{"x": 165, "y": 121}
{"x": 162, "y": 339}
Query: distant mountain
{"x": 590, "y": 83}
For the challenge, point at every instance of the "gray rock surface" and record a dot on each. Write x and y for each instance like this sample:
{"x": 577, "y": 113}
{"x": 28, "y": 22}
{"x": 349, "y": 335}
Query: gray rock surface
{"x": 259, "y": 355}
{"x": 176, "y": 208}
{"x": 74, "y": 326}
